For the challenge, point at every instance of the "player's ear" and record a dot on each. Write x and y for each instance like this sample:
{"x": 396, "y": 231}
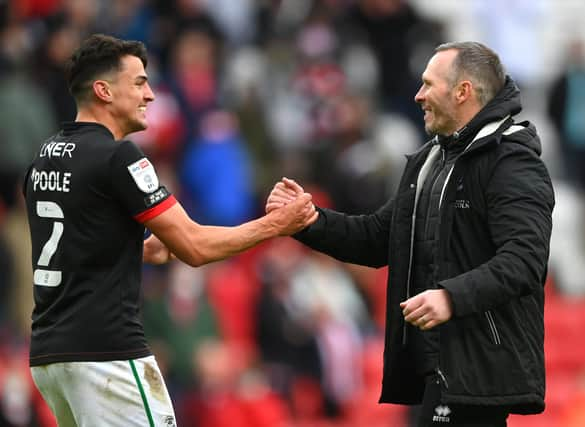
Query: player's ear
{"x": 101, "y": 89}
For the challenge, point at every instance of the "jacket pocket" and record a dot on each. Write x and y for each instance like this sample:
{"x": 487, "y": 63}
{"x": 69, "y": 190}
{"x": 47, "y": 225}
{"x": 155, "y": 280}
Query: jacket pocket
{"x": 494, "y": 334}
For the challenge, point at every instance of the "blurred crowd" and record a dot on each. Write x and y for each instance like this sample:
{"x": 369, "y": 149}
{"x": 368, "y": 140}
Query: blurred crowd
{"x": 248, "y": 91}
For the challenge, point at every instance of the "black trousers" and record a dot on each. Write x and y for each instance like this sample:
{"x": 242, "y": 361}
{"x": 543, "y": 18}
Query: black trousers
{"x": 434, "y": 413}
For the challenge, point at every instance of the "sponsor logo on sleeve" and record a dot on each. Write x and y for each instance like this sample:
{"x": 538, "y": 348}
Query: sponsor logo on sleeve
{"x": 157, "y": 196}
{"x": 144, "y": 175}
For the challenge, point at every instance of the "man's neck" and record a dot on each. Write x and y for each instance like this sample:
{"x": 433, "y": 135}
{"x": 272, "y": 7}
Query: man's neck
{"x": 467, "y": 114}
{"x": 93, "y": 115}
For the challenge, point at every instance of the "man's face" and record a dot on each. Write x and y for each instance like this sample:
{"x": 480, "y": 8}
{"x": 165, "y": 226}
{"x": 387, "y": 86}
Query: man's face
{"x": 130, "y": 95}
{"x": 437, "y": 97}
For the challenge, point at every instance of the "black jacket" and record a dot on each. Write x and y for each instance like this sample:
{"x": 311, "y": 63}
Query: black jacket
{"x": 494, "y": 232}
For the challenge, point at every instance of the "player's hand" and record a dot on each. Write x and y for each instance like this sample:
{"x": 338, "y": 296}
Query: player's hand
{"x": 283, "y": 192}
{"x": 155, "y": 252}
{"x": 292, "y": 217}
{"x": 428, "y": 309}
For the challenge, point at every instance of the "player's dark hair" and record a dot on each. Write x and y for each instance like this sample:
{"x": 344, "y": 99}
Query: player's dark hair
{"x": 479, "y": 64}
{"x": 98, "y": 54}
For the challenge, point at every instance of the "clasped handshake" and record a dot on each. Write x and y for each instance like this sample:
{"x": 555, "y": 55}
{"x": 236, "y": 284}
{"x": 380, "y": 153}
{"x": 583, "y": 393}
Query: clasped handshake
{"x": 290, "y": 207}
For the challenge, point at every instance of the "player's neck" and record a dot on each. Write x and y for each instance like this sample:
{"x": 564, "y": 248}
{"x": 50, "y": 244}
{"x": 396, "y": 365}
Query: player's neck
{"x": 96, "y": 115}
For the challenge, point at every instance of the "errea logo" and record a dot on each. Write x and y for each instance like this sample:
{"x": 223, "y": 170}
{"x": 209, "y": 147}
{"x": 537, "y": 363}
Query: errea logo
{"x": 169, "y": 421}
{"x": 442, "y": 414}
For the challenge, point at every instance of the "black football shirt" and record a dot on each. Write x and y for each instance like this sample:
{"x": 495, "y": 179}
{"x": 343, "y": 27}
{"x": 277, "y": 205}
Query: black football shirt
{"x": 87, "y": 196}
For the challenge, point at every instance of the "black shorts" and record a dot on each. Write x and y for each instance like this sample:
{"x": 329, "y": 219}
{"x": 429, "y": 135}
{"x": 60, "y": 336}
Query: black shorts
{"x": 434, "y": 413}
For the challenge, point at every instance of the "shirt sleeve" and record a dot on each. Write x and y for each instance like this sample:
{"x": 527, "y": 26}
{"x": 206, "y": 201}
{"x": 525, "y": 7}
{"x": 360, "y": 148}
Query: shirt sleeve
{"x": 135, "y": 183}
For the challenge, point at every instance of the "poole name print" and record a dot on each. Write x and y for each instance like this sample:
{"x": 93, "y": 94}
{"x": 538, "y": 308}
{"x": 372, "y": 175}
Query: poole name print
{"x": 50, "y": 180}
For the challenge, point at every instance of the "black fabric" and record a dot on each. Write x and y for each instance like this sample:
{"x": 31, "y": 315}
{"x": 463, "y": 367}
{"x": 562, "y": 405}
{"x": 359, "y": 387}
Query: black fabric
{"x": 493, "y": 232}
{"x": 92, "y": 311}
{"x": 424, "y": 345}
{"x": 435, "y": 413}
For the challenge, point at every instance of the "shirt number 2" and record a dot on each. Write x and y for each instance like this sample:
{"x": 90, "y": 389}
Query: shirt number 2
{"x": 44, "y": 277}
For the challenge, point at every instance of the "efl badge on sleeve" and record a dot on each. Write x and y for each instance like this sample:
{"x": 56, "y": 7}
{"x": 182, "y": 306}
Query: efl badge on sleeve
{"x": 144, "y": 175}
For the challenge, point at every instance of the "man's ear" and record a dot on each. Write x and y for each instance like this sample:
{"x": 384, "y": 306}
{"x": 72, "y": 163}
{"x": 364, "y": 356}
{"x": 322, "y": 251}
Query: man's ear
{"x": 102, "y": 90}
{"x": 463, "y": 91}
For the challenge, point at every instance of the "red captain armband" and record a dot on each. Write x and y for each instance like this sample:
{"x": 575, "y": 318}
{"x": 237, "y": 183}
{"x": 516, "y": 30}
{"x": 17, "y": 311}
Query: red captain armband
{"x": 155, "y": 211}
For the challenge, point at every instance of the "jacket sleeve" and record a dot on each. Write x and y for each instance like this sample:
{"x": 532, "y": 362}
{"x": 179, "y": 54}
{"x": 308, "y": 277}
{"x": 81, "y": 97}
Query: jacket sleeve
{"x": 357, "y": 239}
{"x": 520, "y": 200}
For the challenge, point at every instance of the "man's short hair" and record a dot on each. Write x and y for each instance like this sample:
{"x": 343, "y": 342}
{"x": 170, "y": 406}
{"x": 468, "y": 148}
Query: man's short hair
{"x": 98, "y": 55}
{"x": 479, "y": 64}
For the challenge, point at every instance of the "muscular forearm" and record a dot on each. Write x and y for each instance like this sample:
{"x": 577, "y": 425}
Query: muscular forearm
{"x": 205, "y": 244}
{"x": 197, "y": 244}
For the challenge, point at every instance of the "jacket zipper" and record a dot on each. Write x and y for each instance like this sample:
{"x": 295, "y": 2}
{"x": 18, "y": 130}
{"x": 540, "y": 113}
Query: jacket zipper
{"x": 437, "y": 176}
{"x": 409, "y": 269}
{"x": 438, "y": 370}
{"x": 493, "y": 329}
{"x": 413, "y": 226}
{"x": 442, "y": 377}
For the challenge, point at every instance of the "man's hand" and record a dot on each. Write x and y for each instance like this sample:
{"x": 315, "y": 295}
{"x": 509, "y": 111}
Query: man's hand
{"x": 155, "y": 252}
{"x": 292, "y": 217}
{"x": 283, "y": 193}
{"x": 428, "y": 309}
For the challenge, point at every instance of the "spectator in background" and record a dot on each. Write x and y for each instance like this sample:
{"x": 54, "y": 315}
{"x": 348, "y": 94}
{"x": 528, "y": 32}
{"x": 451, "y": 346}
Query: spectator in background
{"x": 566, "y": 109}
{"x": 31, "y": 9}
{"x": 131, "y": 19}
{"x": 466, "y": 240}
{"x": 178, "y": 317}
{"x": 26, "y": 116}
{"x": 245, "y": 84}
{"x": 396, "y": 33}
{"x": 171, "y": 19}
{"x": 324, "y": 294}
{"x": 350, "y": 167}
{"x": 216, "y": 176}
{"x": 231, "y": 394}
{"x": 85, "y": 16}
{"x": 193, "y": 77}
{"x": 297, "y": 107}
{"x": 53, "y": 53}
{"x": 286, "y": 341}
{"x": 235, "y": 19}
{"x": 21, "y": 405}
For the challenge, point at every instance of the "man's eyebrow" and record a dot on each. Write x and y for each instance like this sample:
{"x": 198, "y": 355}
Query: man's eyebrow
{"x": 141, "y": 79}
